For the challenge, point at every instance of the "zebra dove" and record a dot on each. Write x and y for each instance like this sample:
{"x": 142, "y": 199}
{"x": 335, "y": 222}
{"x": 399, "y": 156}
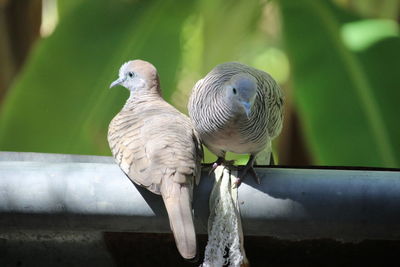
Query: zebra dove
{"x": 239, "y": 109}
{"x": 157, "y": 148}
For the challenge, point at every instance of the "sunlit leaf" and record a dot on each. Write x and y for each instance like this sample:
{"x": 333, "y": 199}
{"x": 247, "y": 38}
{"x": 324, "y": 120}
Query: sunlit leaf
{"x": 361, "y": 34}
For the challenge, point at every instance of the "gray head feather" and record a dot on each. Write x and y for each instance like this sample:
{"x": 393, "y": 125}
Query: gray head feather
{"x": 241, "y": 91}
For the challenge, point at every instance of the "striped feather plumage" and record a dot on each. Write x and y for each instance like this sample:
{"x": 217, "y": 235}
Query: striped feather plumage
{"x": 221, "y": 125}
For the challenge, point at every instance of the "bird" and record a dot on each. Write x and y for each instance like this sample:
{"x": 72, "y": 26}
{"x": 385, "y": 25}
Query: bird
{"x": 237, "y": 108}
{"x": 156, "y": 146}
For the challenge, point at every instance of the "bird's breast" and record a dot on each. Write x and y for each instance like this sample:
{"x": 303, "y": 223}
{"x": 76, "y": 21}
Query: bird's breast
{"x": 231, "y": 138}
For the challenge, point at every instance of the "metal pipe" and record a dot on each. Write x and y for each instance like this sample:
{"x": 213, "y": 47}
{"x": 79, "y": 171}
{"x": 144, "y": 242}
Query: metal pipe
{"x": 74, "y": 193}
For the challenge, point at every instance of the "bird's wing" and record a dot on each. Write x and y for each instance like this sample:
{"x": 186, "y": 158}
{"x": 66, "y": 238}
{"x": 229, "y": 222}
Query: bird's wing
{"x": 154, "y": 145}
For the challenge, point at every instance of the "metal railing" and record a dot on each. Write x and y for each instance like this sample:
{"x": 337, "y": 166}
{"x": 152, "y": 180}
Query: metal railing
{"x": 79, "y": 193}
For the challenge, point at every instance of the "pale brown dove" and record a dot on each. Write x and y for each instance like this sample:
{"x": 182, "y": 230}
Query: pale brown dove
{"x": 157, "y": 148}
{"x": 239, "y": 109}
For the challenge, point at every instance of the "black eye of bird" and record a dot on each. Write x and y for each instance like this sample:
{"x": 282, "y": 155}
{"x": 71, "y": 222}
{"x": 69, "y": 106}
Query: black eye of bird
{"x": 234, "y": 91}
{"x": 131, "y": 74}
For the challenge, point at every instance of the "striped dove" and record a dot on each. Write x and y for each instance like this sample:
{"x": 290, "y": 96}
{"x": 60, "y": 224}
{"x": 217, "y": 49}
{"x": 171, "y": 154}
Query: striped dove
{"x": 157, "y": 148}
{"x": 237, "y": 108}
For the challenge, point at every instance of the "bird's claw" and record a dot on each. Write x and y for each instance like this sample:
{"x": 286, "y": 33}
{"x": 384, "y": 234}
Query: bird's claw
{"x": 237, "y": 183}
{"x": 213, "y": 167}
{"x": 253, "y": 173}
{"x": 219, "y": 162}
{"x": 228, "y": 163}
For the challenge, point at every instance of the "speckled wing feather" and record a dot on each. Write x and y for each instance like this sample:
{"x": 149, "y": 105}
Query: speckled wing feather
{"x": 157, "y": 148}
{"x": 153, "y": 143}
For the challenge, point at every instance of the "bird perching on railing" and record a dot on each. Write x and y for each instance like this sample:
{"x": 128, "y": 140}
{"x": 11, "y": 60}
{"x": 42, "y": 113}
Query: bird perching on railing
{"x": 157, "y": 148}
{"x": 239, "y": 109}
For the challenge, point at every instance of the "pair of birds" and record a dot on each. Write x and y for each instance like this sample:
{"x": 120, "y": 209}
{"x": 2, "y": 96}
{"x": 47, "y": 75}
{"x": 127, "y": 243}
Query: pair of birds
{"x": 233, "y": 108}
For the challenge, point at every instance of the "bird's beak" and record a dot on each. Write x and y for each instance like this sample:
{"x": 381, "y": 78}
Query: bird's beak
{"x": 247, "y": 108}
{"x": 117, "y": 82}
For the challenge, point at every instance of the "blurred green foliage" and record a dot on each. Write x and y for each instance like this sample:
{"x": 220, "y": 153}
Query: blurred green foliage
{"x": 341, "y": 67}
{"x": 346, "y": 98}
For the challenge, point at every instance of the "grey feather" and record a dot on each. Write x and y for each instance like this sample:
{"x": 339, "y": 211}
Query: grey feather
{"x": 220, "y": 119}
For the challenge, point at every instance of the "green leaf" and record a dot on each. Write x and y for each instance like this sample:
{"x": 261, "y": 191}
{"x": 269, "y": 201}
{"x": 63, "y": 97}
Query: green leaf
{"x": 346, "y": 106}
{"x": 360, "y": 34}
{"x": 381, "y": 63}
{"x": 228, "y": 28}
{"x": 61, "y": 102}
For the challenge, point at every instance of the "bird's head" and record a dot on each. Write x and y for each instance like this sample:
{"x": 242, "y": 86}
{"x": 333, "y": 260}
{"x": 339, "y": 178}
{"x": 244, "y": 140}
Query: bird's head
{"x": 137, "y": 74}
{"x": 241, "y": 90}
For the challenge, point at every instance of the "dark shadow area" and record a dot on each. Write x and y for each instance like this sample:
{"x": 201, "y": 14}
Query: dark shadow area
{"x": 154, "y": 201}
{"x": 199, "y": 202}
{"x": 337, "y": 203}
{"x": 139, "y": 249}
{"x": 130, "y": 249}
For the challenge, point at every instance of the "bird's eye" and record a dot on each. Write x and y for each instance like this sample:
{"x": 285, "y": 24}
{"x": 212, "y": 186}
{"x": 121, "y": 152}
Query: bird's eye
{"x": 131, "y": 74}
{"x": 234, "y": 91}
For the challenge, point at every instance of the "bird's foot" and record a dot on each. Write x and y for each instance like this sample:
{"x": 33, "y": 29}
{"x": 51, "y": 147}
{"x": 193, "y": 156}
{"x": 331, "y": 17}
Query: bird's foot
{"x": 219, "y": 162}
{"x": 243, "y": 174}
{"x": 248, "y": 168}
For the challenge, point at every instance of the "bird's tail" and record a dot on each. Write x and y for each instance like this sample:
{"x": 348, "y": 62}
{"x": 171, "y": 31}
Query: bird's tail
{"x": 178, "y": 202}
